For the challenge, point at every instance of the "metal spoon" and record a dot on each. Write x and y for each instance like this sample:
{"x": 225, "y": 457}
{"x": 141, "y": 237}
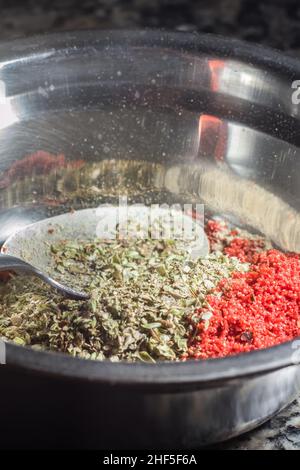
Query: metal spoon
{"x": 17, "y": 265}
{"x": 28, "y": 251}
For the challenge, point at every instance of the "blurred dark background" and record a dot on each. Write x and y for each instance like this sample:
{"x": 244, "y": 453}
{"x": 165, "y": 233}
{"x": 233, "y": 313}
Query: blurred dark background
{"x": 272, "y": 22}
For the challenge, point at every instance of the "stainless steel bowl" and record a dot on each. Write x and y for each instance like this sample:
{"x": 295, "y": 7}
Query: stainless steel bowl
{"x": 168, "y": 117}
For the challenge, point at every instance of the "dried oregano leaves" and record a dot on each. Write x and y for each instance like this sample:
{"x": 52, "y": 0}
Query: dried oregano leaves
{"x": 142, "y": 292}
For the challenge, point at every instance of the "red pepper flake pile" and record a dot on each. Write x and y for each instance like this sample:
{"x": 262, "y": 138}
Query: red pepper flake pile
{"x": 234, "y": 242}
{"x": 251, "y": 310}
{"x": 216, "y": 232}
{"x": 243, "y": 249}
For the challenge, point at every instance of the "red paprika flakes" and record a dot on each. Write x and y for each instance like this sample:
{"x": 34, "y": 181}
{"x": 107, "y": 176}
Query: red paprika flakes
{"x": 252, "y": 310}
{"x": 244, "y": 249}
{"x": 234, "y": 242}
{"x": 217, "y": 233}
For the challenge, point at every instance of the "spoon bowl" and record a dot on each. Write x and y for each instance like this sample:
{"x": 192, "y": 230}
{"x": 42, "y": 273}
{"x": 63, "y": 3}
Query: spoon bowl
{"x": 28, "y": 251}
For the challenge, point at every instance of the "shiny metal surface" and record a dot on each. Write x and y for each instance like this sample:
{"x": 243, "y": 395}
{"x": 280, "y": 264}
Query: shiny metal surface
{"x": 165, "y": 118}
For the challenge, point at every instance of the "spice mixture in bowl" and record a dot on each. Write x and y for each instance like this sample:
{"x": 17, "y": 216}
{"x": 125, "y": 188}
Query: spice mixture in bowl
{"x": 197, "y": 350}
{"x": 149, "y": 301}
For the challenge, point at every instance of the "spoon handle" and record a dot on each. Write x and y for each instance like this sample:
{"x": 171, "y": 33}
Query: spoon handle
{"x": 11, "y": 263}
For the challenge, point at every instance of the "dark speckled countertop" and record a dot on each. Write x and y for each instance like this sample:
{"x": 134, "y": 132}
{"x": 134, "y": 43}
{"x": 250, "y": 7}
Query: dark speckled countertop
{"x": 275, "y": 23}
